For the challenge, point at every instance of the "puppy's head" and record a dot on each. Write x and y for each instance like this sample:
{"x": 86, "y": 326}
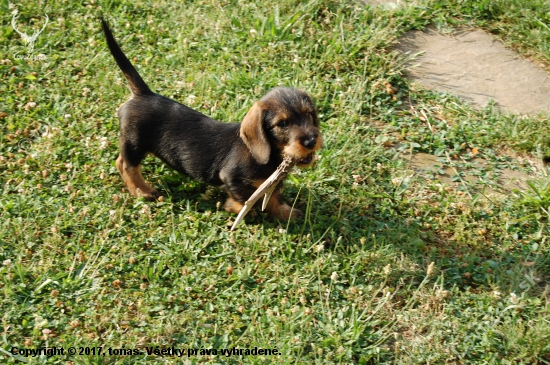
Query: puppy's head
{"x": 283, "y": 122}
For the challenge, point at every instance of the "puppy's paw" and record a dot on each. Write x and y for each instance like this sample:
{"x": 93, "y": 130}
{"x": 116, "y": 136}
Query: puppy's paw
{"x": 150, "y": 195}
{"x": 296, "y": 213}
{"x": 233, "y": 206}
{"x": 285, "y": 212}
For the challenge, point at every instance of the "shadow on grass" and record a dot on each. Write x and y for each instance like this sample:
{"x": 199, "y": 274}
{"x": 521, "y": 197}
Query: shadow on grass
{"x": 379, "y": 219}
{"x": 489, "y": 261}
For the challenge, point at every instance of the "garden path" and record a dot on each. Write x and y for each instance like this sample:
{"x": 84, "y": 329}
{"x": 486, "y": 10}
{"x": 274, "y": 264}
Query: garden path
{"x": 479, "y": 69}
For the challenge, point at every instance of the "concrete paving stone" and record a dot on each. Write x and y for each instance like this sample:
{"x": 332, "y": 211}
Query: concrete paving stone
{"x": 477, "y": 68}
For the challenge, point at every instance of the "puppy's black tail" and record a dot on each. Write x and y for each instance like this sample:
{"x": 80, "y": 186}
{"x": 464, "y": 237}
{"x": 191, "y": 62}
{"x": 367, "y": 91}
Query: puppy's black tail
{"x": 137, "y": 85}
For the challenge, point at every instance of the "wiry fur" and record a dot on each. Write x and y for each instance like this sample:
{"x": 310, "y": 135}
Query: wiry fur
{"x": 239, "y": 156}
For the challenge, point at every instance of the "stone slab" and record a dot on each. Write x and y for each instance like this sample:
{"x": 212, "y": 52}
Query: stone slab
{"x": 478, "y": 68}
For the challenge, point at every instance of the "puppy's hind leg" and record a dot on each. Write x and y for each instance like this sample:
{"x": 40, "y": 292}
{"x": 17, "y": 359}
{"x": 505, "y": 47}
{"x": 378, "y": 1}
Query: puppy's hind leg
{"x": 128, "y": 164}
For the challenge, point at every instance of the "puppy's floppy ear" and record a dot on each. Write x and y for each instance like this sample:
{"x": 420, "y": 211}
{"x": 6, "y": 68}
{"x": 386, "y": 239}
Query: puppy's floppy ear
{"x": 253, "y": 134}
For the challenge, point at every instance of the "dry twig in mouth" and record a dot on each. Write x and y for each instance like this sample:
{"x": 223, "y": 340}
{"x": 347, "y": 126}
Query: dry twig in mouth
{"x": 266, "y": 189}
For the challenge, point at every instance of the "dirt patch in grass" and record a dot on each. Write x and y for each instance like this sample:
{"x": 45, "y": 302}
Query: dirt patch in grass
{"x": 426, "y": 164}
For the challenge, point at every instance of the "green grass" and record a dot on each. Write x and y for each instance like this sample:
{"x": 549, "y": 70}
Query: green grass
{"x": 84, "y": 264}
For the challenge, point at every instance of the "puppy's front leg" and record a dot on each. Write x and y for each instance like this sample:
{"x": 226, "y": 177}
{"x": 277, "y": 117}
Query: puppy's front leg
{"x": 233, "y": 206}
{"x": 278, "y": 208}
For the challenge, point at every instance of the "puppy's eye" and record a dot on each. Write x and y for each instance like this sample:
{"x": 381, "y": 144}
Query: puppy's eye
{"x": 283, "y": 123}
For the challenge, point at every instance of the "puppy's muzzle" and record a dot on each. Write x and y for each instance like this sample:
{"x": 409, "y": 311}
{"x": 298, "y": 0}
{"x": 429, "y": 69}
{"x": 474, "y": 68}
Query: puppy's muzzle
{"x": 306, "y": 160}
{"x": 309, "y": 142}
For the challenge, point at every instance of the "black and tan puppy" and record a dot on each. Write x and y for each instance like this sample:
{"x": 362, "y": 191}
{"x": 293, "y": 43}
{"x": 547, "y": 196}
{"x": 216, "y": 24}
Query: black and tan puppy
{"x": 238, "y": 156}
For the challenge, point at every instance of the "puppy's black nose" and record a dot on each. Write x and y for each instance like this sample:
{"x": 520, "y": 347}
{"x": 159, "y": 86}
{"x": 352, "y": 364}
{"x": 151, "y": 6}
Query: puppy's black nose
{"x": 309, "y": 141}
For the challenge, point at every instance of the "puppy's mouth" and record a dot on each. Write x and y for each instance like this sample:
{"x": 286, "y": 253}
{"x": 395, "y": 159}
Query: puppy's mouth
{"x": 306, "y": 160}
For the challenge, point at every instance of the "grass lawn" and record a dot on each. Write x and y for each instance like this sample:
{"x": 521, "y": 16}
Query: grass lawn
{"x": 387, "y": 266}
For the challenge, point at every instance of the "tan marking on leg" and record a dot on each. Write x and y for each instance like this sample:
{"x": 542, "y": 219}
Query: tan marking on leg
{"x": 281, "y": 211}
{"x": 134, "y": 181}
{"x": 232, "y": 206}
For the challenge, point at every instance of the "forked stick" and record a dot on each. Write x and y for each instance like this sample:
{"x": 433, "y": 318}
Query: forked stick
{"x": 266, "y": 189}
